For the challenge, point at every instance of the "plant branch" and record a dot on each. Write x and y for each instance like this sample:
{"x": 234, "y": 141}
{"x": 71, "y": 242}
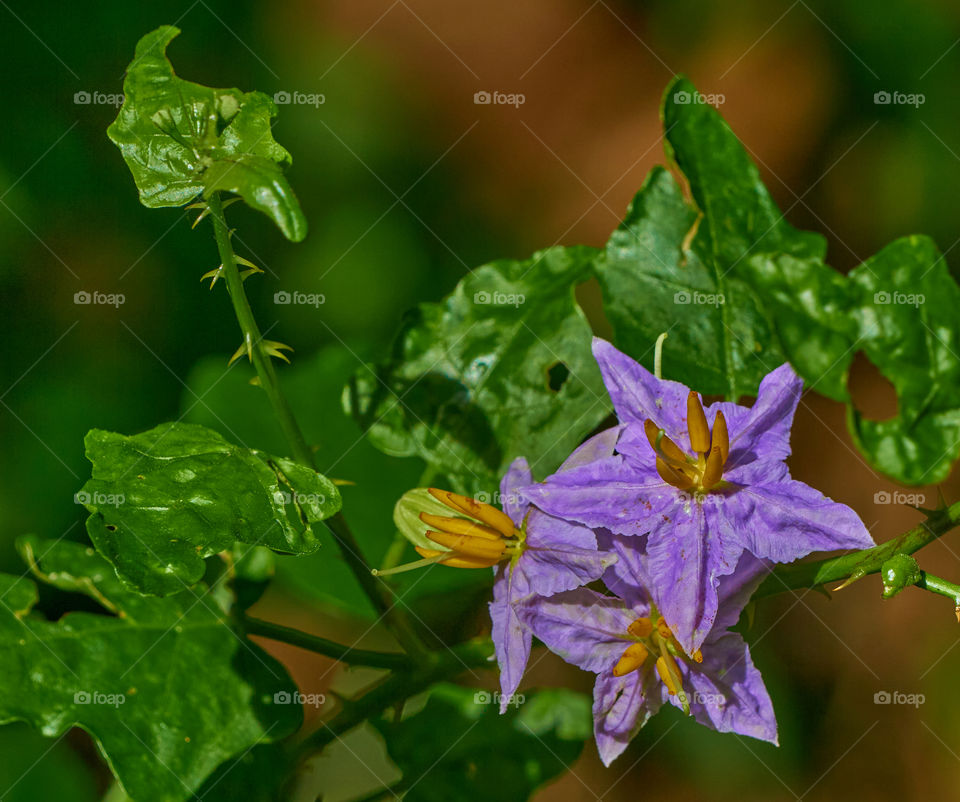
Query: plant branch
{"x": 860, "y": 563}
{"x": 376, "y": 590}
{"x": 329, "y": 648}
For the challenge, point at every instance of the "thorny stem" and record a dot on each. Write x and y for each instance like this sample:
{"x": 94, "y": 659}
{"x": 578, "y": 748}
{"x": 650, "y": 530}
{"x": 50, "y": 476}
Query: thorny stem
{"x": 861, "y": 563}
{"x": 329, "y": 648}
{"x": 379, "y": 593}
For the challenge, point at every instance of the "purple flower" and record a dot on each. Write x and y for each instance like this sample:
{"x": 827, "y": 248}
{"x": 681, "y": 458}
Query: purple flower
{"x": 552, "y": 555}
{"x": 640, "y": 665}
{"x": 703, "y": 495}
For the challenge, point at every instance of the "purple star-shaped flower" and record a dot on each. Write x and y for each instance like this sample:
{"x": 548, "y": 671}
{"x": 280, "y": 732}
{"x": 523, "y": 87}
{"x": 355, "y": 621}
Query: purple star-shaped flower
{"x": 638, "y": 663}
{"x": 703, "y": 495}
{"x": 554, "y": 555}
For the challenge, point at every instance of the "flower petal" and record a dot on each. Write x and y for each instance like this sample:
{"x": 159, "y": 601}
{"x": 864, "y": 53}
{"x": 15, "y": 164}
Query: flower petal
{"x": 727, "y": 692}
{"x": 597, "y": 447}
{"x": 620, "y": 708}
{"x": 511, "y": 638}
{"x": 584, "y": 627}
{"x": 786, "y": 519}
{"x": 518, "y": 476}
{"x": 560, "y": 555}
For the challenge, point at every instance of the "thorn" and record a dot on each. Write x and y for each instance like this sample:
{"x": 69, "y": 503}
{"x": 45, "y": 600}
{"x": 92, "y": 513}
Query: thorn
{"x": 255, "y": 381}
{"x": 276, "y": 349}
{"x": 244, "y": 348}
{"x": 858, "y": 574}
{"x": 213, "y": 275}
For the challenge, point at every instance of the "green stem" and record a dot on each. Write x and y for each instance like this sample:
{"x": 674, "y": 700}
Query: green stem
{"x": 396, "y": 688}
{"x": 329, "y": 648}
{"x": 942, "y": 586}
{"x": 859, "y": 563}
{"x": 376, "y": 590}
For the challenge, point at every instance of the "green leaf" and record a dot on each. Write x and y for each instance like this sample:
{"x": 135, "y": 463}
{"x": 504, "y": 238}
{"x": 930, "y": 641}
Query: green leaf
{"x": 166, "y": 686}
{"x": 180, "y": 139}
{"x": 740, "y": 291}
{"x": 501, "y": 368}
{"x": 163, "y": 501}
{"x": 460, "y": 747}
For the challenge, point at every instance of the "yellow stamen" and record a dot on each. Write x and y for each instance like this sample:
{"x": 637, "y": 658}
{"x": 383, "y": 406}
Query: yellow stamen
{"x": 455, "y": 561}
{"x": 641, "y": 628}
{"x": 469, "y": 546}
{"x": 713, "y": 472}
{"x": 476, "y": 509}
{"x": 721, "y": 437}
{"x": 664, "y": 629}
{"x": 669, "y": 674}
{"x": 697, "y": 656}
{"x": 459, "y": 526}
{"x": 673, "y": 476}
{"x": 634, "y": 657}
{"x": 663, "y": 445}
{"x": 697, "y": 424}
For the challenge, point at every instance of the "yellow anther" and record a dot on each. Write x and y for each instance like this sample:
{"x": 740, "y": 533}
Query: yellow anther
{"x": 713, "y": 472}
{"x": 469, "y": 546}
{"x": 720, "y": 437}
{"x": 641, "y": 628}
{"x": 459, "y": 526}
{"x": 697, "y": 656}
{"x": 674, "y": 476}
{"x": 634, "y": 657}
{"x": 663, "y": 445}
{"x": 697, "y": 424}
{"x": 669, "y": 674}
{"x": 664, "y": 629}
{"x": 476, "y": 509}
{"x": 454, "y": 561}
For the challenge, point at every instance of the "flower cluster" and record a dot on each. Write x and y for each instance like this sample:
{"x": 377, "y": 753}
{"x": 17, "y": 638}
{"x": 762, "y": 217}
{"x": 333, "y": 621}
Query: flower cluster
{"x": 680, "y": 510}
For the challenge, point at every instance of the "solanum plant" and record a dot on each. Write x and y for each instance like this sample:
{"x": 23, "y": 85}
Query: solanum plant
{"x": 610, "y": 513}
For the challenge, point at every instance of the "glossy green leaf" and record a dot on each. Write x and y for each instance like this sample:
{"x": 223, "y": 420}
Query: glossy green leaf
{"x": 740, "y": 291}
{"x": 460, "y": 747}
{"x": 180, "y": 139}
{"x": 163, "y": 501}
{"x": 500, "y": 368}
{"x": 166, "y": 686}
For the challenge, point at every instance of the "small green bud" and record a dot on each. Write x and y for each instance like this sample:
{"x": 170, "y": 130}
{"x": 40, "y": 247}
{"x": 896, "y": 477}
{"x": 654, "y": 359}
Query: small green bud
{"x": 897, "y": 573}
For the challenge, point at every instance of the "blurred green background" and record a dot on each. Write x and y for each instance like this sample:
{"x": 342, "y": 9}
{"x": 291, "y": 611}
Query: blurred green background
{"x": 406, "y": 182}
